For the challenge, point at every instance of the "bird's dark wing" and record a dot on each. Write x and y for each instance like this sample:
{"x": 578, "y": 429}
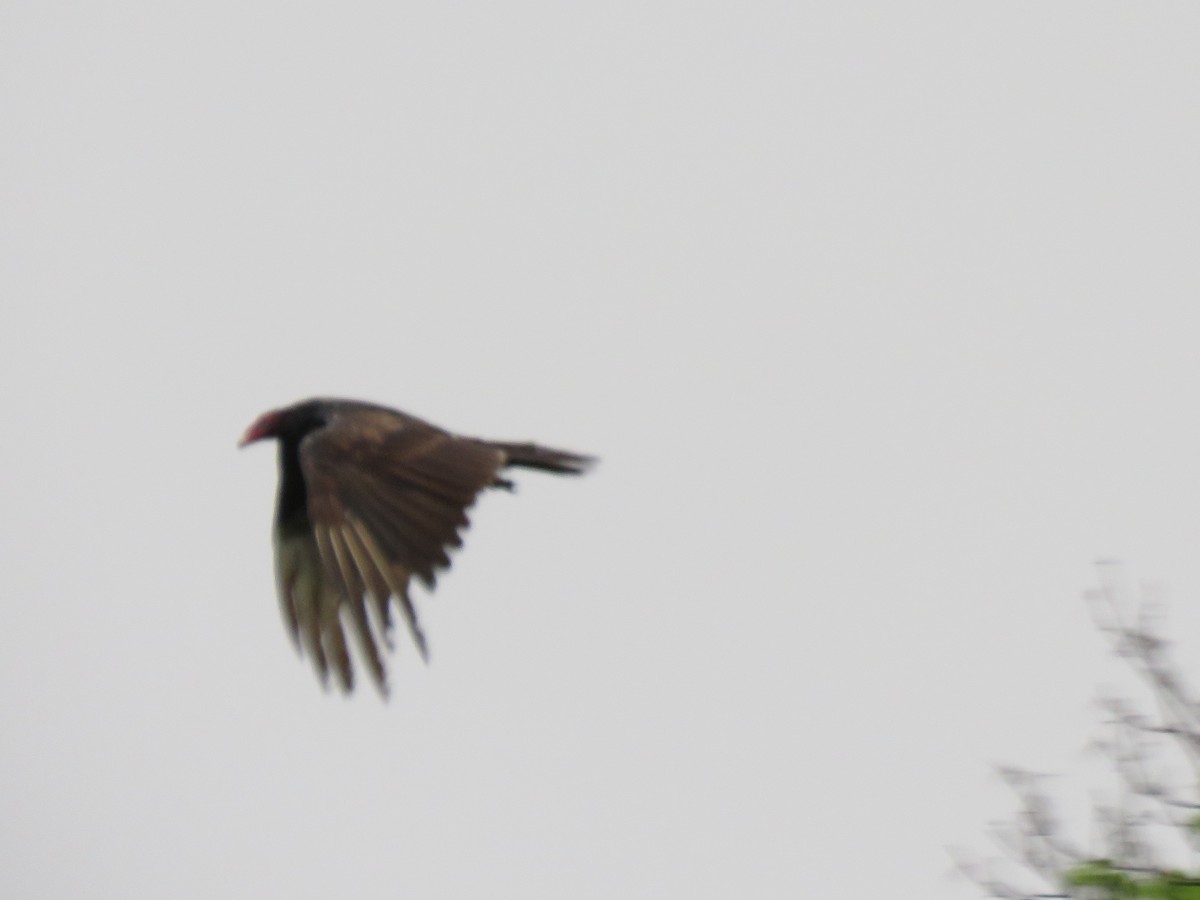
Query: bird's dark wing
{"x": 387, "y": 494}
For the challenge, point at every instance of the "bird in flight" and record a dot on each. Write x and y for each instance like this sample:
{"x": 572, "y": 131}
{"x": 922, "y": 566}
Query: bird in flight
{"x": 370, "y": 498}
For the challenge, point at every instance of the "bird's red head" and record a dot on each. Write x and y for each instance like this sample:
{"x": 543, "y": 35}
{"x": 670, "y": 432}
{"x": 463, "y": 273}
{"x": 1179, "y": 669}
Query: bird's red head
{"x": 290, "y": 423}
{"x": 265, "y": 426}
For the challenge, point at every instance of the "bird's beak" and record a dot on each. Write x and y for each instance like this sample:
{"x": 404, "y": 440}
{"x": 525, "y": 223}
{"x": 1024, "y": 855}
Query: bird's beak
{"x": 259, "y": 430}
{"x": 265, "y": 426}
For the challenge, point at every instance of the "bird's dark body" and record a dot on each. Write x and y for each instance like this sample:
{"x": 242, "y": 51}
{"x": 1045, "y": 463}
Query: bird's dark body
{"x": 294, "y": 424}
{"x": 369, "y": 498}
{"x": 291, "y": 510}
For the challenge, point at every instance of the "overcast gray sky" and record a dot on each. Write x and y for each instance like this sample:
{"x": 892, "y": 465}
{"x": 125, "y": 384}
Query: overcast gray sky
{"x": 884, "y": 319}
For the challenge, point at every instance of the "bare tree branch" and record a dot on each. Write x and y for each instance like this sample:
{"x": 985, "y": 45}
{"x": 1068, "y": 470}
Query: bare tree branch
{"x": 1151, "y": 816}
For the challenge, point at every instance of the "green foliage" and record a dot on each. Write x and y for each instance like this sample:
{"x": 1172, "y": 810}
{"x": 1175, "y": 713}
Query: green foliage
{"x": 1115, "y": 884}
{"x": 1099, "y": 873}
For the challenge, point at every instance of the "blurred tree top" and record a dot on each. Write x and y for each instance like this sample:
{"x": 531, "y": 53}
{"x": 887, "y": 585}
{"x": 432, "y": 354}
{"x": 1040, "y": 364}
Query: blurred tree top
{"x": 1152, "y": 827}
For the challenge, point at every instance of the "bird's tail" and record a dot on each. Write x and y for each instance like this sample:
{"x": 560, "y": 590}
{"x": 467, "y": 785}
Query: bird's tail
{"x": 531, "y": 456}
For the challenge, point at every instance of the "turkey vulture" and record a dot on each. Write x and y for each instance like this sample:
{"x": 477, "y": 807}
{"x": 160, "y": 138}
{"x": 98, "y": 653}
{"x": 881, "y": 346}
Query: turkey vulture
{"x": 369, "y": 498}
